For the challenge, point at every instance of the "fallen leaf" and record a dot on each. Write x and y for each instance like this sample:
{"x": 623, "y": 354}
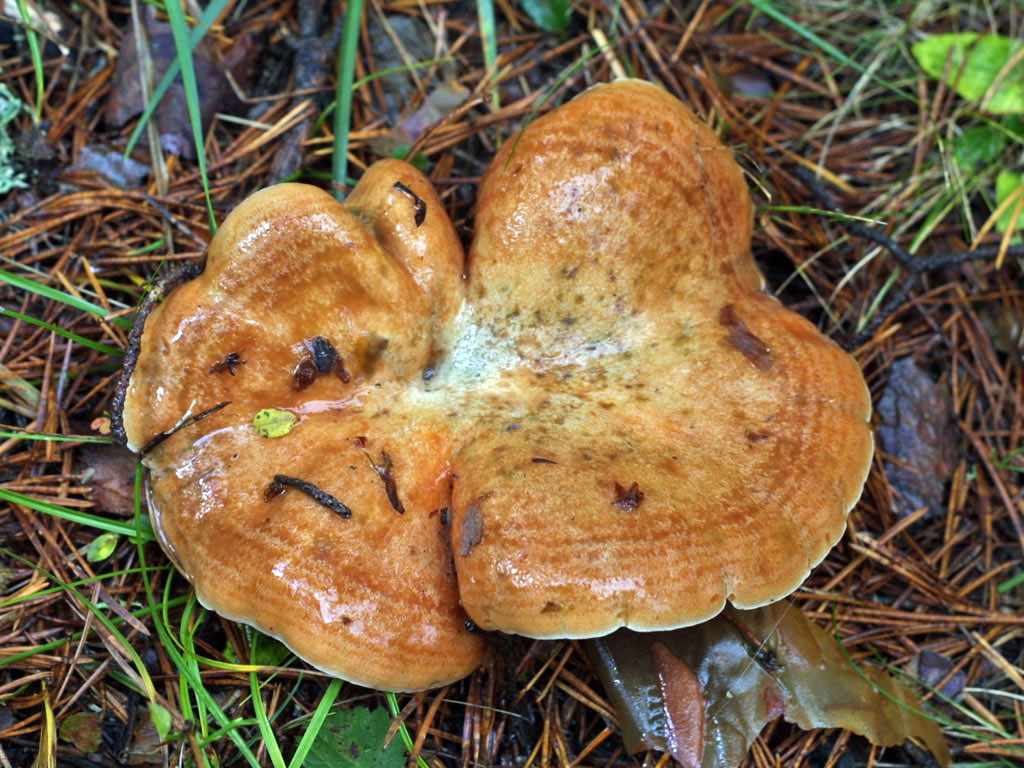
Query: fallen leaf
{"x": 1007, "y": 330}
{"x": 416, "y": 43}
{"x": 273, "y": 422}
{"x": 932, "y": 667}
{"x": 109, "y": 470}
{"x": 442, "y": 100}
{"x": 916, "y": 427}
{"x": 147, "y": 747}
{"x": 215, "y": 92}
{"x": 83, "y": 730}
{"x": 354, "y": 738}
{"x": 760, "y": 664}
{"x": 101, "y": 547}
{"x": 684, "y": 706}
{"x": 121, "y": 171}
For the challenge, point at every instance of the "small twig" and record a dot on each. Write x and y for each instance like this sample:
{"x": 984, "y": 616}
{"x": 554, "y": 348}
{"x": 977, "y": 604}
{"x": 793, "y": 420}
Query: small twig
{"x": 311, "y": 64}
{"x": 418, "y": 204}
{"x": 174, "y": 221}
{"x": 387, "y": 477}
{"x": 914, "y": 264}
{"x": 321, "y": 497}
{"x": 186, "y": 422}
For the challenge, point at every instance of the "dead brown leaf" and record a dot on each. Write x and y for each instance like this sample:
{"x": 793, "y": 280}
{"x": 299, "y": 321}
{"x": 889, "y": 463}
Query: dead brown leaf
{"x": 917, "y": 428}
{"x": 215, "y": 92}
{"x": 753, "y": 667}
{"x": 109, "y": 470}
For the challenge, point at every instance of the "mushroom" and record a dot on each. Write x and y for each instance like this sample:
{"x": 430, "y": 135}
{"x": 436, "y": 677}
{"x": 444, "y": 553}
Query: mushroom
{"x": 607, "y": 423}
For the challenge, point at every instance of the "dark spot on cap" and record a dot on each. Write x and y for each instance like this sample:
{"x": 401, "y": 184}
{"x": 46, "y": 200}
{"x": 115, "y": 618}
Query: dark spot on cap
{"x": 472, "y": 529}
{"x": 628, "y": 499}
{"x": 372, "y": 349}
{"x": 740, "y": 336}
{"x": 552, "y": 606}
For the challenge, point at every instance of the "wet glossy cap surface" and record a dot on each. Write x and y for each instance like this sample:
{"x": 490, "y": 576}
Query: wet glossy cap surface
{"x": 606, "y": 424}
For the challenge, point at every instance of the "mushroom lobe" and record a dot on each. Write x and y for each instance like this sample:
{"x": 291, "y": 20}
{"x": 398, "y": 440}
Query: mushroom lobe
{"x": 622, "y": 428}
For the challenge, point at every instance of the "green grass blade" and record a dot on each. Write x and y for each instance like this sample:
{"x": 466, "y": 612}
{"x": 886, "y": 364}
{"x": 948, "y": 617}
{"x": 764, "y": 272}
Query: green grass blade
{"x": 193, "y": 680}
{"x": 141, "y": 613}
{"x": 81, "y": 518}
{"x": 195, "y": 36}
{"x": 315, "y": 723}
{"x": 37, "y": 59}
{"x": 46, "y": 437}
{"x": 768, "y": 9}
{"x": 78, "y": 583}
{"x": 1010, "y": 583}
{"x": 403, "y": 732}
{"x": 809, "y": 209}
{"x": 347, "y": 51}
{"x": 575, "y": 67}
{"x": 46, "y": 291}
{"x": 489, "y": 39}
{"x": 102, "y": 618}
{"x": 21, "y": 388}
{"x": 66, "y": 334}
{"x": 179, "y": 30}
{"x": 266, "y": 729}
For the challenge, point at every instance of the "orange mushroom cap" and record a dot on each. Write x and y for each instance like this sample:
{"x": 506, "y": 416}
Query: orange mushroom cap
{"x": 607, "y": 423}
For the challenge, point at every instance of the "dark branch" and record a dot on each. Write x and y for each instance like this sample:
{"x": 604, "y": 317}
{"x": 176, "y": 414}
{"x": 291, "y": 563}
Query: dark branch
{"x": 323, "y": 498}
{"x": 915, "y": 265}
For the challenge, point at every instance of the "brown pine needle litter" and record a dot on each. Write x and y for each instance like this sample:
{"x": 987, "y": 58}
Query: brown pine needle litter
{"x": 929, "y": 583}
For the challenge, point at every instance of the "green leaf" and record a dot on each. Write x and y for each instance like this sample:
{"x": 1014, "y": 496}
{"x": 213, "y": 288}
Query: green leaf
{"x": 978, "y": 146}
{"x": 549, "y": 15}
{"x": 355, "y": 737}
{"x": 976, "y": 62}
{"x": 267, "y": 651}
{"x": 273, "y": 422}
{"x": 101, "y": 547}
{"x": 1008, "y": 182}
{"x": 421, "y": 162}
{"x": 161, "y": 718}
